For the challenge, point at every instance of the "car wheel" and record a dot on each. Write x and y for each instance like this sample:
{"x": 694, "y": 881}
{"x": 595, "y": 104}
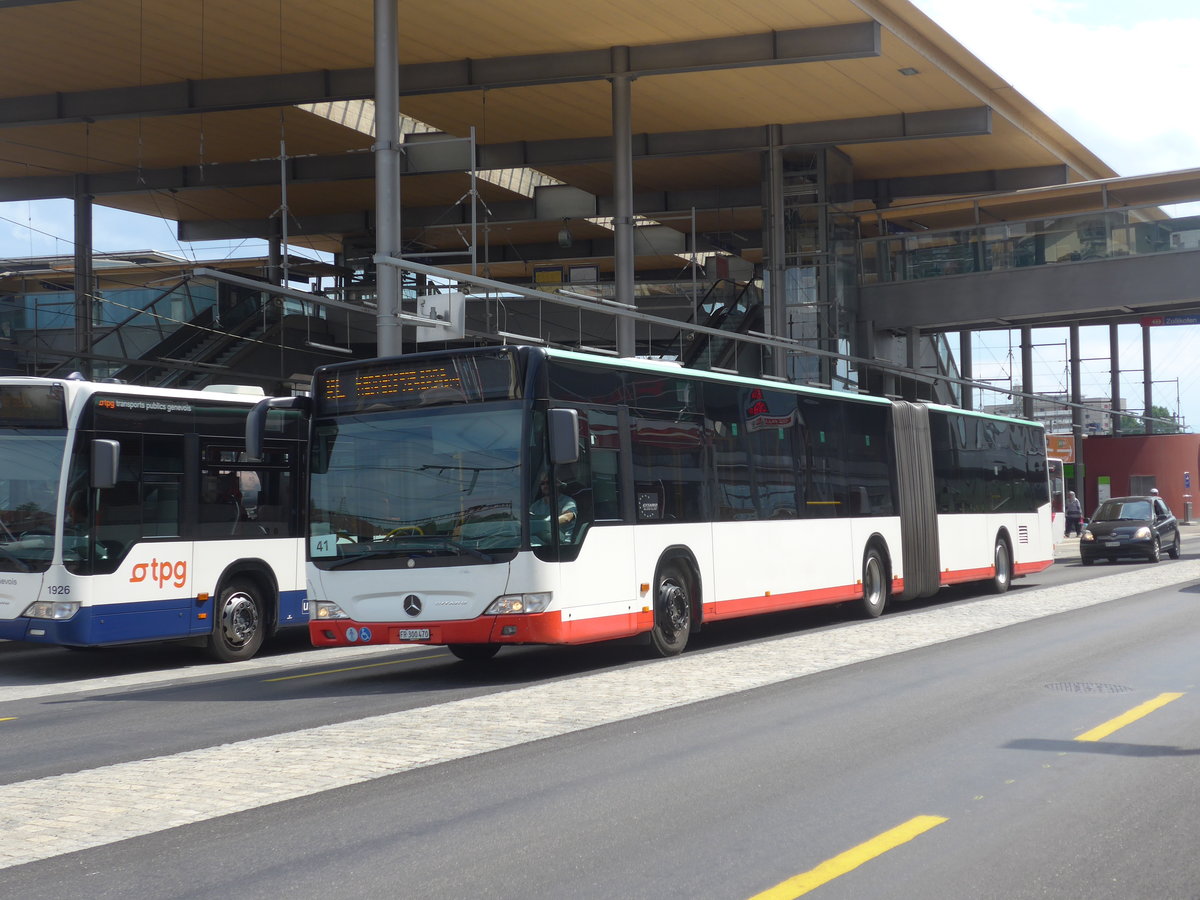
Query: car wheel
{"x": 239, "y": 625}
{"x": 1086, "y": 560}
{"x": 874, "y": 585}
{"x": 672, "y": 611}
{"x": 1173, "y": 551}
{"x": 1002, "y": 579}
{"x": 1155, "y": 550}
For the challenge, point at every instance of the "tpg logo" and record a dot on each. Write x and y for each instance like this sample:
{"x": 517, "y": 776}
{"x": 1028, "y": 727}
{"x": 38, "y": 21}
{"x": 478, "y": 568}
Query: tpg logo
{"x": 161, "y": 572}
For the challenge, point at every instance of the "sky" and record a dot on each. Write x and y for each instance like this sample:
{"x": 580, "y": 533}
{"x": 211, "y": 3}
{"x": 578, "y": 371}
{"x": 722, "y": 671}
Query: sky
{"x": 1118, "y": 76}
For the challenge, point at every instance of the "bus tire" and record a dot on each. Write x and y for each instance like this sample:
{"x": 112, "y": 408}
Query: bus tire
{"x": 239, "y": 623}
{"x": 1002, "y": 557}
{"x": 874, "y": 585}
{"x": 474, "y": 652}
{"x": 672, "y": 610}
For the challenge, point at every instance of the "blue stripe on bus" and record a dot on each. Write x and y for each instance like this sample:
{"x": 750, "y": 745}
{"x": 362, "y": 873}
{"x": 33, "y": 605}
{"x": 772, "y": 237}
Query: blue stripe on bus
{"x": 123, "y": 623}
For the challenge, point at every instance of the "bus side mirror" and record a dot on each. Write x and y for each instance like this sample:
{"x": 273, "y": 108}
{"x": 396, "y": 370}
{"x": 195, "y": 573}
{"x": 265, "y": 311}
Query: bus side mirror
{"x": 106, "y": 458}
{"x": 564, "y": 436}
{"x": 256, "y": 421}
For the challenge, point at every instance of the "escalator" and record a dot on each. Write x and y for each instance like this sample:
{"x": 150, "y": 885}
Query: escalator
{"x": 737, "y": 309}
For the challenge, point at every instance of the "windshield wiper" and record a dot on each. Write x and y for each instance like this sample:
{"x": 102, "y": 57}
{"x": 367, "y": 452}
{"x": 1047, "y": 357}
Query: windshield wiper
{"x": 448, "y": 542}
{"x": 369, "y": 553}
{"x": 383, "y": 552}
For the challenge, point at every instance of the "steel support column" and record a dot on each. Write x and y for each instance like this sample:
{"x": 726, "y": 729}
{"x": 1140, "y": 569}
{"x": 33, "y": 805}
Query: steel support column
{"x": 83, "y": 274}
{"x": 1147, "y": 381}
{"x": 966, "y": 366}
{"x": 777, "y": 298}
{"x": 1077, "y": 409}
{"x": 623, "y": 263}
{"x": 275, "y": 258}
{"x": 1114, "y": 357}
{"x": 1027, "y": 372}
{"x": 387, "y": 175}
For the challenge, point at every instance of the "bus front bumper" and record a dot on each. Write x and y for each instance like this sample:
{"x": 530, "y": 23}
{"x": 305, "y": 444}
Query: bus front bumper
{"x": 532, "y": 628}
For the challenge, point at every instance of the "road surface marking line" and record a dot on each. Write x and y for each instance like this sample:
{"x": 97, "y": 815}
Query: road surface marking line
{"x": 851, "y": 859}
{"x": 9, "y": 719}
{"x": 1102, "y": 731}
{"x": 391, "y": 662}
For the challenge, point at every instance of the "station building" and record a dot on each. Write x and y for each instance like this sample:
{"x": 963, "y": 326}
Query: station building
{"x": 834, "y": 192}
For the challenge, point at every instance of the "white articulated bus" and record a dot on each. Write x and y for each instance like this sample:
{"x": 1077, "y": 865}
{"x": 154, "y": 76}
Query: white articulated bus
{"x": 129, "y": 514}
{"x": 496, "y": 496}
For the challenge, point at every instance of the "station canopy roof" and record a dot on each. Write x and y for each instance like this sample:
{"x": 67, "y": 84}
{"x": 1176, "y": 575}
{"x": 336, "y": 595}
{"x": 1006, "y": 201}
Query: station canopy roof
{"x": 183, "y": 110}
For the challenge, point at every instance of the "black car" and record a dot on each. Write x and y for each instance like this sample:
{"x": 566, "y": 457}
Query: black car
{"x": 1130, "y": 526}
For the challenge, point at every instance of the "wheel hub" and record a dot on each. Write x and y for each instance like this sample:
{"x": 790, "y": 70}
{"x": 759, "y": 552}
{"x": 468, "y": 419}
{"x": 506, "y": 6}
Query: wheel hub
{"x": 239, "y": 619}
{"x": 673, "y": 602}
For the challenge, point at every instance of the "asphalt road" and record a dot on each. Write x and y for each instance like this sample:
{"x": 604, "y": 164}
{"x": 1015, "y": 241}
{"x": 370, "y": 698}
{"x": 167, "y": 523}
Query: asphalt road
{"x": 944, "y": 767}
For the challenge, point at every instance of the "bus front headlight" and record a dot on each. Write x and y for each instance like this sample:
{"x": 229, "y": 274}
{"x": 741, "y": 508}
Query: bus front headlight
{"x": 52, "y": 609}
{"x": 516, "y": 604}
{"x": 326, "y": 609}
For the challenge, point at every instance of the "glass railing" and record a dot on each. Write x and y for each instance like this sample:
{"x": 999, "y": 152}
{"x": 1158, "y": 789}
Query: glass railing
{"x": 1083, "y": 237}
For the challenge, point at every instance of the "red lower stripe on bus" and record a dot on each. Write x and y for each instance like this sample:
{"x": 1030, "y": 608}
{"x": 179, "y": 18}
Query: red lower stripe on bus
{"x": 987, "y": 574}
{"x": 964, "y": 575}
{"x": 748, "y": 606}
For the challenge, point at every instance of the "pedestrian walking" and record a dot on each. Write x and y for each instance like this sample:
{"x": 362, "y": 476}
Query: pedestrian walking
{"x": 1074, "y": 511}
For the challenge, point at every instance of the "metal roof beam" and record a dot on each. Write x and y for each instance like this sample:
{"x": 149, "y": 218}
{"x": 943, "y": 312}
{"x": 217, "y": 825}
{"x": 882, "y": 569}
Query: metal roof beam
{"x": 986, "y": 181}
{"x": 650, "y": 204}
{"x": 215, "y": 94}
{"x": 534, "y": 154}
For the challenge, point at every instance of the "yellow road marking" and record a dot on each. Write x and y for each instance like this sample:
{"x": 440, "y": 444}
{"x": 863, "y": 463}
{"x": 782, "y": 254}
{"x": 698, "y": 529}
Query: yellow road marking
{"x": 1102, "y": 731}
{"x": 9, "y": 719}
{"x": 394, "y": 662}
{"x": 851, "y": 859}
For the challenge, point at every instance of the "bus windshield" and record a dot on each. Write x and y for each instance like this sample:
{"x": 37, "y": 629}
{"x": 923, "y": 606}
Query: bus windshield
{"x": 30, "y": 462}
{"x": 417, "y": 485}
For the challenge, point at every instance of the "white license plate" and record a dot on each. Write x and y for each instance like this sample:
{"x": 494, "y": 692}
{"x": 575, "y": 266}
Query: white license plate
{"x": 414, "y": 634}
{"x": 1112, "y": 543}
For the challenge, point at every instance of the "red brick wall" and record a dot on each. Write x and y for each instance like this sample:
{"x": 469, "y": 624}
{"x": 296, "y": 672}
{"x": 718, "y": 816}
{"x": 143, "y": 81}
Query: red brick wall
{"x": 1164, "y": 456}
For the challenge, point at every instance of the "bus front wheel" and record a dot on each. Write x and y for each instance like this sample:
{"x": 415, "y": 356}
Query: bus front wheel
{"x": 239, "y": 623}
{"x": 672, "y": 611}
{"x": 474, "y": 652}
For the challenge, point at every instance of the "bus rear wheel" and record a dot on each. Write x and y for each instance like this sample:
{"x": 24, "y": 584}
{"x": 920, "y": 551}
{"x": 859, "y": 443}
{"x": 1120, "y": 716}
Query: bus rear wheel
{"x": 238, "y": 622}
{"x": 1002, "y": 557}
{"x": 672, "y": 611}
{"x": 474, "y": 652}
{"x": 874, "y": 585}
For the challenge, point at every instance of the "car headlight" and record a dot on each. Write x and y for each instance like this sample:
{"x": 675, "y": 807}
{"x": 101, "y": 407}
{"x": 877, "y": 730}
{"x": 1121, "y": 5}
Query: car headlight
{"x": 326, "y": 609}
{"x": 510, "y": 604}
{"x": 1142, "y": 534}
{"x": 52, "y": 609}
{"x": 1087, "y": 536}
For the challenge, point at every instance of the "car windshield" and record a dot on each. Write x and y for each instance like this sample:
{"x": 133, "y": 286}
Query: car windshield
{"x": 1122, "y": 510}
{"x": 29, "y": 466}
{"x": 415, "y": 484}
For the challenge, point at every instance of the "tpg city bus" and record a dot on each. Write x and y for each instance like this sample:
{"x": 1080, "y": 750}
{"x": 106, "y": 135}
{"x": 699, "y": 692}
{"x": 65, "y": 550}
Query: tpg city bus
{"x": 129, "y": 514}
{"x": 485, "y": 497}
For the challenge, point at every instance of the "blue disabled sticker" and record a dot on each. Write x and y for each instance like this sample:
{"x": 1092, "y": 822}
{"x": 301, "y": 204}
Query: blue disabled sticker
{"x": 352, "y": 634}
{"x": 365, "y": 634}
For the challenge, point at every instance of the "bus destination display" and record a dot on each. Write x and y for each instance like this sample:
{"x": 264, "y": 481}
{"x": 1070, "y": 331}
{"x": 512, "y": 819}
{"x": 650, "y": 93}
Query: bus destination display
{"x": 433, "y": 382}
